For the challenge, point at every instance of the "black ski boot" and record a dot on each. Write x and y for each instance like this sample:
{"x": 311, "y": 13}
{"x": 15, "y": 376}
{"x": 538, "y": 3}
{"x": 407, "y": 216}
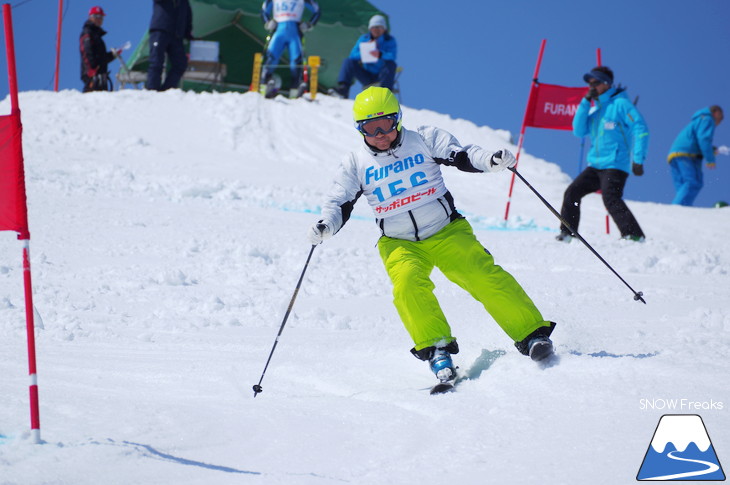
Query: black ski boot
{"x": 541, "y": 348}
{"x": 537, "y": 345}
{"x": 270, "y": 90}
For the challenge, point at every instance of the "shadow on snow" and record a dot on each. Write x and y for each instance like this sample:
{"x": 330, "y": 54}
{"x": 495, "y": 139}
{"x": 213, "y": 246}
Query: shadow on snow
{"x": 153, "y": 453}
{"x": 603, "y": 353}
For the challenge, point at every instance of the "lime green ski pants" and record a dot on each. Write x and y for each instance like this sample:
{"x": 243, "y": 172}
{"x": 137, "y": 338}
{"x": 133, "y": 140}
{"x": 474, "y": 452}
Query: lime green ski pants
{"x": 462, "y": 259}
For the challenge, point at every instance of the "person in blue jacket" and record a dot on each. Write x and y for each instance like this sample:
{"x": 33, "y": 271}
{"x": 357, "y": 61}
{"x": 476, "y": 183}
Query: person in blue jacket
{"x": 284, "y": 19}
{"x": 693, "y": 144}
{"x": 171, "y": 24}
{"x": 619, "y": 141}
{"x": 378, "y": 67}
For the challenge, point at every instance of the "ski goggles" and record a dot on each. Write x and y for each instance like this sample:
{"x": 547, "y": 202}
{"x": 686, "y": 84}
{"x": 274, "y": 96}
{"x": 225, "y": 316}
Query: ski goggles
{"x": 383, "y": 124}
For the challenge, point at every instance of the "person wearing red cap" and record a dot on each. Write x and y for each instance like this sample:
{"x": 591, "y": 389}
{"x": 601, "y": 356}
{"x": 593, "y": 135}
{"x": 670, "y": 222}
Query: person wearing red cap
{"x": 94, "y": 55}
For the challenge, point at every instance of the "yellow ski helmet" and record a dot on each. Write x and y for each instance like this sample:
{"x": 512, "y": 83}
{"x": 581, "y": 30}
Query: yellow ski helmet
{"x": 375, "y": 102}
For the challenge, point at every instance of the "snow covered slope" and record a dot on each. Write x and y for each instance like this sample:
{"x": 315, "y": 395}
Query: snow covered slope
{"x": 168, "y": 233}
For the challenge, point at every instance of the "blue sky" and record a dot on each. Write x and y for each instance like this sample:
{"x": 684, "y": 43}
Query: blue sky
{"x": 474, "y": 59}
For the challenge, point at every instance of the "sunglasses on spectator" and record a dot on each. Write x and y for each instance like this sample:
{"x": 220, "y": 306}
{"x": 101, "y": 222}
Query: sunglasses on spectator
{"x": 383, "y": 124}
{"x": 595, "y": 83}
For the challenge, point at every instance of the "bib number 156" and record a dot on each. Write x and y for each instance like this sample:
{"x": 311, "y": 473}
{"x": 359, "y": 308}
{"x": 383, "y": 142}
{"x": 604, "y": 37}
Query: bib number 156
{"x": 399, "y": 186}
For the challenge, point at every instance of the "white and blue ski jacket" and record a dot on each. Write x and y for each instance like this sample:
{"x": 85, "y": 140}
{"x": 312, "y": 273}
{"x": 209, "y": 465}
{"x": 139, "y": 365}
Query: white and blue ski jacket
{"x": 403, "y": 185}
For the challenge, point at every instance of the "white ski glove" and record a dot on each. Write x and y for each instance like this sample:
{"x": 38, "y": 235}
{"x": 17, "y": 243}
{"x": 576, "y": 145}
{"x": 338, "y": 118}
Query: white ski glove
{"x": 723, "y": 150}
{"x": 319, "y": 232}
{"x": 270, "y": 25}
{"x": 305, "y": 27}
{"x": 501, "y": 160}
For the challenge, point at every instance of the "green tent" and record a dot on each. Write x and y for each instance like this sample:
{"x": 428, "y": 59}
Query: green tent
{"x": 237, "y": 26}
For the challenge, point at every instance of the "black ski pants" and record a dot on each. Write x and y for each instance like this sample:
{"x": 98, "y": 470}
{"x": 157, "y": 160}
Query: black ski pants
{"x": 611, "y": 183}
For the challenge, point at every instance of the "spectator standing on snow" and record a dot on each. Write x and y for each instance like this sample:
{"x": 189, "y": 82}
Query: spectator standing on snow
{"x": 94, "y": 56}
{"x": 693, "y": 144}
{"x": 284, "y": 19}
{"x": 171, "y": 24}
{"x": 371, "y": 61}
{"x": 619, "y": 141}
{"x": 399, "y": 171}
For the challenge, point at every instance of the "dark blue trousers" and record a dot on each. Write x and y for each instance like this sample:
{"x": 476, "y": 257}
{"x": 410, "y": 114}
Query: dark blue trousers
{"x": 165, "y": 44}
{"x": 352, "y": 69}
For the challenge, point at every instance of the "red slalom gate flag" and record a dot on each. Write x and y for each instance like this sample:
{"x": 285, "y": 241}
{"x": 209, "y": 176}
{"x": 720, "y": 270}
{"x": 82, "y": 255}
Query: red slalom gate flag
{"x": 13, "y": 208}
{"x": 553, "y": 106}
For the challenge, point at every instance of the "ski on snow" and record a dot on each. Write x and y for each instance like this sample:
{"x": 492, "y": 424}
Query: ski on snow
{"x": 442, "y": 387}
{"x": 484, "y": 362}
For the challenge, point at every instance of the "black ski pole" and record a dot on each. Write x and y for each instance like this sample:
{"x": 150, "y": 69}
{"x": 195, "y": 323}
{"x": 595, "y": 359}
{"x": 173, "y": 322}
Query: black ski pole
{"x": 638, "y": 296}
{"x": 257, "y": 387}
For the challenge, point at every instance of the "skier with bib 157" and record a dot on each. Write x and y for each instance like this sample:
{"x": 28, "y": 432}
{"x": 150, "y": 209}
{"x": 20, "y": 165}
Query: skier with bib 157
{"x": 284, "y": 19}
{"x": 399, "y": 171}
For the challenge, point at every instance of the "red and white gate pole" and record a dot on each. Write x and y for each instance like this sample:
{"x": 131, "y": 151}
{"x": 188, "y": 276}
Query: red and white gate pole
{"x": 533, "y": 89}
{"x": 35, "y": 422}
{"x": 35, "y": 419}
{"x": 58, "y": 45}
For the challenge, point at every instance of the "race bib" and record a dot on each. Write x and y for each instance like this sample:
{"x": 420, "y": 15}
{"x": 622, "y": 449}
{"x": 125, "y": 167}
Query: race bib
{"x": 288, "y": 10}
{"x": 402, "y": 184}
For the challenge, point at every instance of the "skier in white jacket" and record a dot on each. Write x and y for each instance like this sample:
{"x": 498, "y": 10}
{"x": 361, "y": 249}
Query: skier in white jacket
{"x": 399, "y": 172}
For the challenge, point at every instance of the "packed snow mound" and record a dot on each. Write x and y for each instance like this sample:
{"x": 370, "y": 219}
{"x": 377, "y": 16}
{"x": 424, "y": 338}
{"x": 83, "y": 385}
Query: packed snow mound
{"x": 168, "y": 234}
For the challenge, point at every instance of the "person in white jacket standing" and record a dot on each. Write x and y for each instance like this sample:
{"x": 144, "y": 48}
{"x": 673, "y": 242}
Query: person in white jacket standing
{"x": 399, "y": 172}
